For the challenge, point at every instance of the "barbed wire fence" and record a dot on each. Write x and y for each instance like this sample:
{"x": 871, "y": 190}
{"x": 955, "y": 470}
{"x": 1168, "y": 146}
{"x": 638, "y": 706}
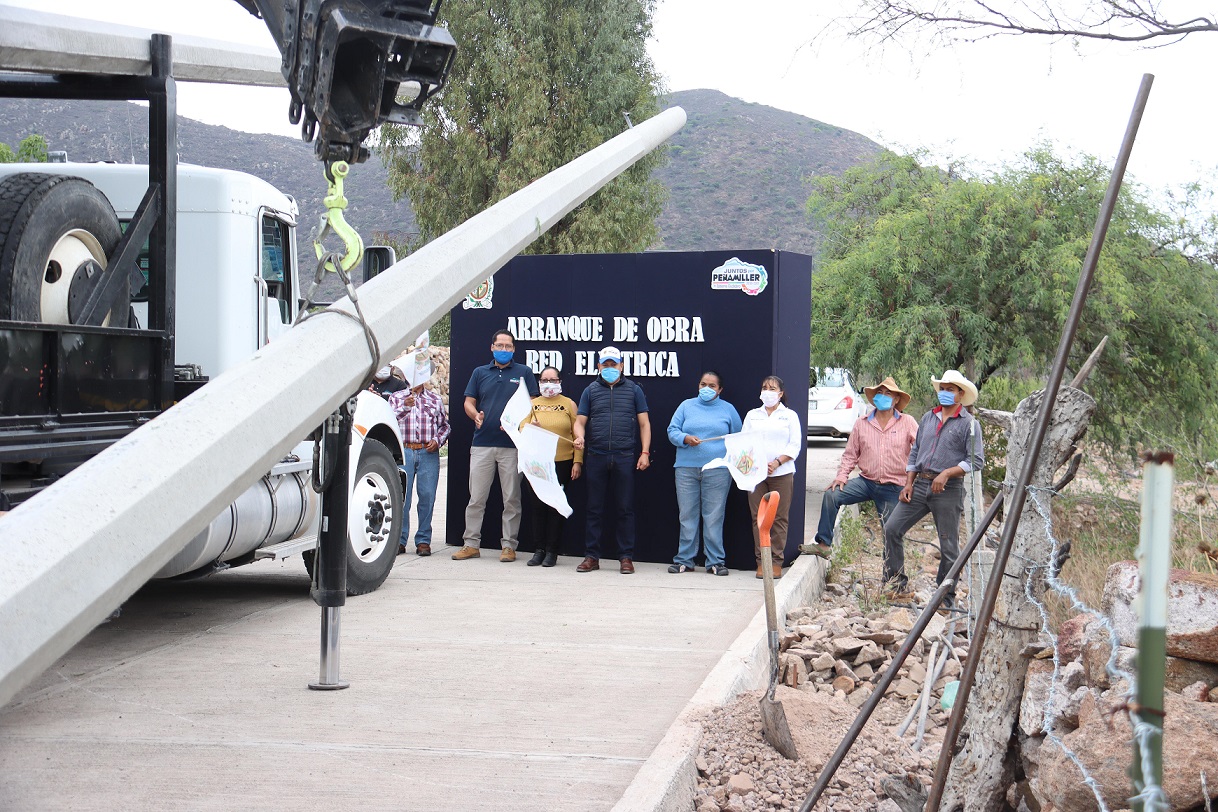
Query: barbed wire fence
{"x": 1152, "y": 795}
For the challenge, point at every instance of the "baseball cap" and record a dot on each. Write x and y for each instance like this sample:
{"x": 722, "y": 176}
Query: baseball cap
{"x": 610, "y": 354}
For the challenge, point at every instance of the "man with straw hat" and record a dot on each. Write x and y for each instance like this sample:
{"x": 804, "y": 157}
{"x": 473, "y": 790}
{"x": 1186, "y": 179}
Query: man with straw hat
{"x": 423, "y": 421}
{"x": 879, "y": 445}
{"x": 947, "y": 447}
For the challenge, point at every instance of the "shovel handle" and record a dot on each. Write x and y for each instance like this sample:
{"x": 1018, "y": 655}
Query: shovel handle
{"x": 765, "y": 518}
{"x": 766, "y": 512}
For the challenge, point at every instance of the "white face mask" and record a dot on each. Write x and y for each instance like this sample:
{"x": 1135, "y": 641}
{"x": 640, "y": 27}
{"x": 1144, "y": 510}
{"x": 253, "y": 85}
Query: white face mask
{"x": 769, "y": 398}
{"x": 551, "y": 389}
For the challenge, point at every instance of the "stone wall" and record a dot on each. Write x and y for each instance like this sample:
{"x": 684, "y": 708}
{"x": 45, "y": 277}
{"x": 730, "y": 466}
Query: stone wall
{"x": 1088, "y": 709}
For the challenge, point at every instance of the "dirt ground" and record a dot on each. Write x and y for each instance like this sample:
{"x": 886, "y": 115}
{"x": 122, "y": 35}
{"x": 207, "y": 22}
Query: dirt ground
{"x": 738, "y": 770}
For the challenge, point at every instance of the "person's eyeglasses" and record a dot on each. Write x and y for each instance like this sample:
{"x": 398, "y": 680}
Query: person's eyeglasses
{"x": 502, "y": 347}
{"x": 549, "y": 380}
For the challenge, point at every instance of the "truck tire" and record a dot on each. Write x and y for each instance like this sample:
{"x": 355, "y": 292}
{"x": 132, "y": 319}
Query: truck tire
{"x": 375, "y": 521}
{"x": 51, "y": 226}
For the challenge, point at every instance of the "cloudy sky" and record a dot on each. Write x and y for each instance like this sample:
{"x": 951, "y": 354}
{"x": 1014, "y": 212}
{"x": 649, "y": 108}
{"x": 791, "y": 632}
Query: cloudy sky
{"x": 985, "y": 102}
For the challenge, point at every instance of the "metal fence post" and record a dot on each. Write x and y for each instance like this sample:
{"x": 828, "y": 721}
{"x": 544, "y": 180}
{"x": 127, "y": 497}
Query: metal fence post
{"x": 1154, "y": 559}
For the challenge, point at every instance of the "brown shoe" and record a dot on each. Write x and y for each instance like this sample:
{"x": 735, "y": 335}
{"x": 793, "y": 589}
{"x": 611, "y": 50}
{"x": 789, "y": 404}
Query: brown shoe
{"x": 466, "y": 552}
{"x": 777, "y": 570}
{"x": 760, "y": 572}
{"x": 508, "y": 554}
{"x": 588, "y": 564}
{"x": 627, "y": 567}
{"x": 422, "y": 549}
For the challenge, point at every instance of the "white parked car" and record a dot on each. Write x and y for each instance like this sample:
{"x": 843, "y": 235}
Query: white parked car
{"x": 833, "y": 403}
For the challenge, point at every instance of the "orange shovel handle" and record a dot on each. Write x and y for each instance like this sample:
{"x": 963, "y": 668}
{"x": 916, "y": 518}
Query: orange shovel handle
{"x": 766, "y": 512}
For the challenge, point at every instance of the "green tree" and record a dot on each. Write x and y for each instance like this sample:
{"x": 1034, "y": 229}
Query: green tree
{"x": 925, "y": 270}
{"x": 32, "y": 149}
{"x": 536, "y": 84}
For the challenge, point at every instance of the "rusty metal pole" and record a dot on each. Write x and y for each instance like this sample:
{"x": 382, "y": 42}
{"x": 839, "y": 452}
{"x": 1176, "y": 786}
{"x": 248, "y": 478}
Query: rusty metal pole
{"x": 1056, "y": 372}
{"x": 949, "y": 582}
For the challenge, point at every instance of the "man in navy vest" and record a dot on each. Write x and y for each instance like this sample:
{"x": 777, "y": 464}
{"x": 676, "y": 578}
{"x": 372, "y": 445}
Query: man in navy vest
{"x": 611, "y": 420}
{"x": 489, "y": 389}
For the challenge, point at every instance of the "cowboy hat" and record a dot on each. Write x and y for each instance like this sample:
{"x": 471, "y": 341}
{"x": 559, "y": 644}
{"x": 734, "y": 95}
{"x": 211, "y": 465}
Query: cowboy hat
{"x": 952, "y": 376}
{"x": 901, "y": 397}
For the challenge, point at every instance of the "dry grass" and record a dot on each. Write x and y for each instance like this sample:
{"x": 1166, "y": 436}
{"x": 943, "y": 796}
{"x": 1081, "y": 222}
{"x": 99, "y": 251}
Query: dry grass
{"x": 1103, "y": 530}
{"x": 1099, "y": 515}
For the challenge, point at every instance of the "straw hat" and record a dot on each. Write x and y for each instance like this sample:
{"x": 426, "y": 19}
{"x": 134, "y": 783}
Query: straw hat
{"x": 952, "y": 376}
{"x": 902, "y": 398}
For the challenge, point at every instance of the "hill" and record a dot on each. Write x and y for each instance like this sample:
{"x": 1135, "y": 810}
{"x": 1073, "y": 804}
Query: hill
{"x": 737, "y": 177}
{"x": 739, "y": 173}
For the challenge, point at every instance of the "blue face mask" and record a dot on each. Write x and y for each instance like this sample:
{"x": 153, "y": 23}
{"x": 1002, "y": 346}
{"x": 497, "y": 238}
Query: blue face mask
{"x": 610, "y": 375}
{"x": 502, "y": 356}
{"x": 947, "y": 398}
{"x": 882, "y": 402}
{"x": 706, "y": 394}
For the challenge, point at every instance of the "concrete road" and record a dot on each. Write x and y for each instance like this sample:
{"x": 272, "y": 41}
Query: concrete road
{"x": 474, "y": 685}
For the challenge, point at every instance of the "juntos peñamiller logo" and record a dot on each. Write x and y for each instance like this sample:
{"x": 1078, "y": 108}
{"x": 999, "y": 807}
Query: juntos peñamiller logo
{"x": 737, "y": 275}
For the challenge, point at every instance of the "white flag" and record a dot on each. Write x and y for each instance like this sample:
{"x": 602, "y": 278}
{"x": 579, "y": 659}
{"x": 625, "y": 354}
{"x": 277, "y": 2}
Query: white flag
{"x": 415, "y": 361}
{"x": 535, "y": 449}
{"x": 745, "y": 459}
{"x": 517, "y": 410}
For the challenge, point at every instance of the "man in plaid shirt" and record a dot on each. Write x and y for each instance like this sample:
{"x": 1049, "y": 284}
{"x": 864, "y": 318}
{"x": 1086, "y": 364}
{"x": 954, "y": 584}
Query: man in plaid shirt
{"x": 424, "y": 424}
{"x": 879, "y": 445}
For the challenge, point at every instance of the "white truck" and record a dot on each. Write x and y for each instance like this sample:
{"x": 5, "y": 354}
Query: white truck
{"x": 238, "y": 288}
{"x": 123, "y": 288}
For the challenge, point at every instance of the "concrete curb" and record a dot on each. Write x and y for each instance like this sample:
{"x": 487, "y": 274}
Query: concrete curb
{"x": 668, "y": 779}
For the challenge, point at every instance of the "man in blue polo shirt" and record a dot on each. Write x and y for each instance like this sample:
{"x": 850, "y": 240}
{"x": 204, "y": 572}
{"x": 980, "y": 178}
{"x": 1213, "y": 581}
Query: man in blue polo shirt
{"x": 611, "y": 421}
{"x": 488, "y": 391}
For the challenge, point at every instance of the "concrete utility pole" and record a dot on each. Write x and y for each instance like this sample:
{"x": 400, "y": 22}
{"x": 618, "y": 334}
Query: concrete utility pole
{"x": 76, "y": 551}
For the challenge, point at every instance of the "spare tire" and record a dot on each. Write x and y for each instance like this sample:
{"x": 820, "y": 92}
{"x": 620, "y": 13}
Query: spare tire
{"x": 55, "y": 232}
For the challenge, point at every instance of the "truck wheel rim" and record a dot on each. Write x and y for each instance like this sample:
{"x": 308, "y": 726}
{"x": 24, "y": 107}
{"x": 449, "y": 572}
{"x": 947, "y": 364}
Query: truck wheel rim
{"x": 72, "y": 250}
{"x": 371, "y": 517}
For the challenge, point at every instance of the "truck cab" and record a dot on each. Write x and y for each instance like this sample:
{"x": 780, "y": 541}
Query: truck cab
{"x": 71, "y": 390}
{"x": 237, "y": 284}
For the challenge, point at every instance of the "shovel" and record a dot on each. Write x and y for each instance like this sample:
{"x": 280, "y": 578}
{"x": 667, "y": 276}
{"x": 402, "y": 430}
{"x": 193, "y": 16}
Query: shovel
{"x": 773, "y": 718}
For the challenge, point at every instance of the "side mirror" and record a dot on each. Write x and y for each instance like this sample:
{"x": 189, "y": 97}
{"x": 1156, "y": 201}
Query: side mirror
{"x": 377, "y": 258}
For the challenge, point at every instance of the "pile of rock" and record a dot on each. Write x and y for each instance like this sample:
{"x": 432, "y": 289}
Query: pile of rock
{"x": 1088, "y": 713}
{"x": 843, "y": 652}
{"x": 832, "y": 655}
{"x": 439, "y": 372}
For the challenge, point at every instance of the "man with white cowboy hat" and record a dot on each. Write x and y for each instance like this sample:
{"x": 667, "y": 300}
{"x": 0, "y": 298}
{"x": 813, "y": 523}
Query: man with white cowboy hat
{"x": 879, "y": 444}
{"x": 948, "y": 446}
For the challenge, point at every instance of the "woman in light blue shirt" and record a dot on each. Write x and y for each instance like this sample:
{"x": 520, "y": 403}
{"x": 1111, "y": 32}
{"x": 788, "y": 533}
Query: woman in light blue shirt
{"x": 702, "y": 494}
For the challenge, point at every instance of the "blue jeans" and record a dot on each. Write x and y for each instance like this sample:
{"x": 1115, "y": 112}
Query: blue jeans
{"x": 422, "y": 469}
{"x": 859, "y": 489}
{"x": 601, "y": 473}
{"x": 701, "y": 495}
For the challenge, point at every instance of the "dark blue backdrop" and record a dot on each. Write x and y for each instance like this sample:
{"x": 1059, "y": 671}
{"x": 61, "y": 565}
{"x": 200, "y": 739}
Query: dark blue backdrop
{"x": 745, "y": 338}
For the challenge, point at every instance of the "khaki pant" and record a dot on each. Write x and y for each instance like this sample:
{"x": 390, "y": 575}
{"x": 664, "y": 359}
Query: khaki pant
{"x": 778, "y": 531}
{"x": 484, "y": 461}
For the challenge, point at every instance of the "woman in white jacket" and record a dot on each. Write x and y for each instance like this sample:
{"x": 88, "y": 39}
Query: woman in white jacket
{"x": 783, "y": 442}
